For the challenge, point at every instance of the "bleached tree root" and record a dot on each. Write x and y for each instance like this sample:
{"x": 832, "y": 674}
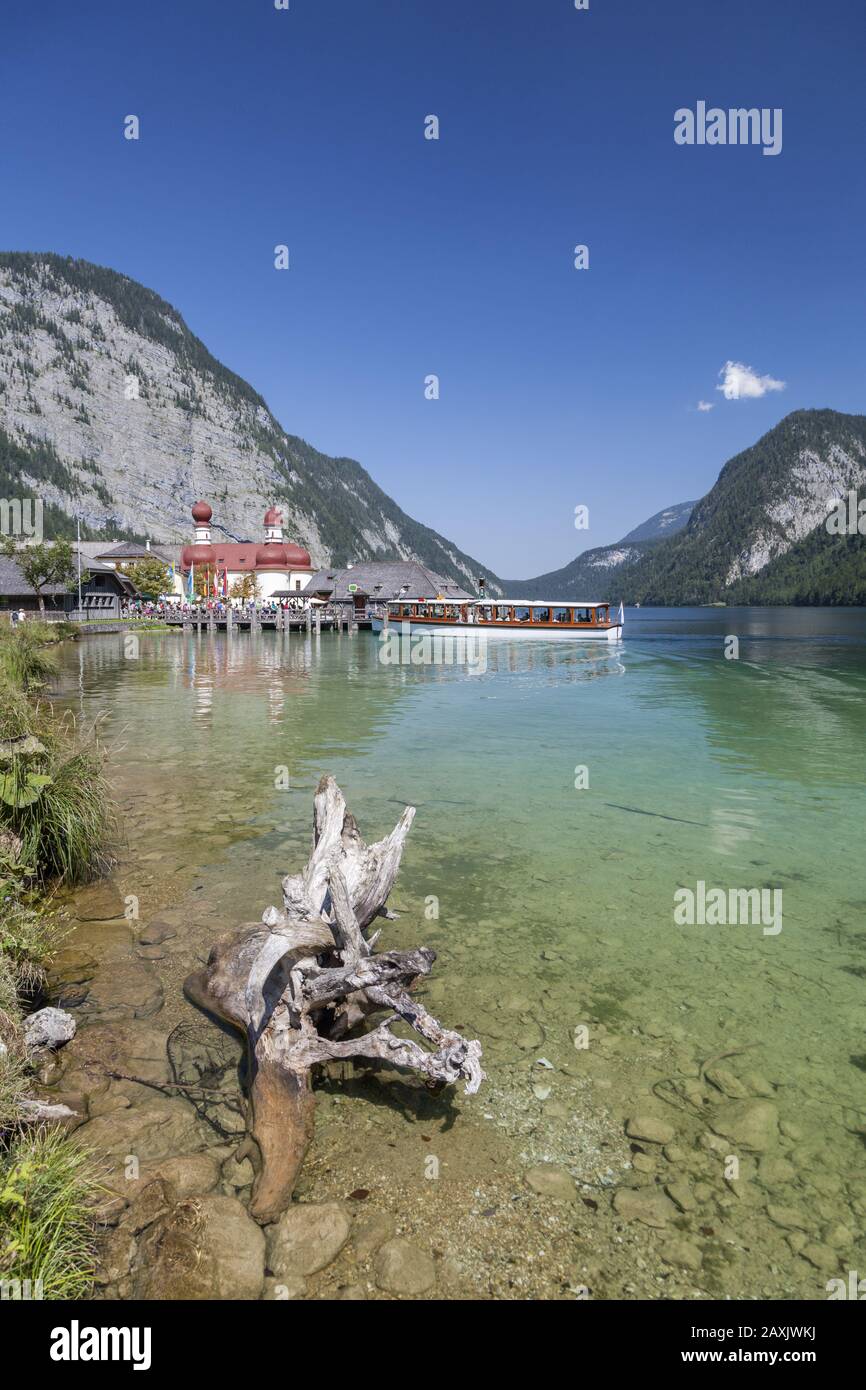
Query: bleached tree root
{"x": 301, "y": 983}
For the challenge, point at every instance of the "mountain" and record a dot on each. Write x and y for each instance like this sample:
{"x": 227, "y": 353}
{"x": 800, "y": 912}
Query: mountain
{"x": 757, "y": 537}
{"x": 112, "y": 410}
{"x": 589, "y": 575}
{"x": 664, "y": 523}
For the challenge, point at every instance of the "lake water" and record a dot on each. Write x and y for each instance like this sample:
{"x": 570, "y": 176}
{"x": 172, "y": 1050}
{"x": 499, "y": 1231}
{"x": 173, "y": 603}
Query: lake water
{"x": 564, "y": 795}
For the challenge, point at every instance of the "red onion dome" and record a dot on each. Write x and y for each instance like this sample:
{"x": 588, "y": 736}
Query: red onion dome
{"x": 198, "y": 555}
{"x": 282, "y": 555}
{"x": 273, "y": 517}
{"x": 201, "y": 513}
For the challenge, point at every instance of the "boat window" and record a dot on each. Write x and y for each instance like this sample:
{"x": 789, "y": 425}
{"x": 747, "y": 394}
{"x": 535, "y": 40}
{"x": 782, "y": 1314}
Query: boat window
{"x": 437, "y": 610}
{"x": 581, "y": 615}
{"x": 541, "y": 615}
{"x": 484, "y": 614}
{"x": 522, "y": 614}
{"x": 503, "y": 613}
{"x": 560, "y": 615}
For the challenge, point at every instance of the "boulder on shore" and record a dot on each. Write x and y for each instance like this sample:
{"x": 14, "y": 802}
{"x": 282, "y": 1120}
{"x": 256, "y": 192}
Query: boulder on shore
{"x": 48, "y": 1028}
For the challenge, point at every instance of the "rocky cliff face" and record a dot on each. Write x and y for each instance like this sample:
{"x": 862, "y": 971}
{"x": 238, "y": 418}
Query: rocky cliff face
{"x": 111, "y": 409}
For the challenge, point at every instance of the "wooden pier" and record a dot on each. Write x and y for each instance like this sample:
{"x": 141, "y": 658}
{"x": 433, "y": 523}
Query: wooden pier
{"x": 313, "y": 620}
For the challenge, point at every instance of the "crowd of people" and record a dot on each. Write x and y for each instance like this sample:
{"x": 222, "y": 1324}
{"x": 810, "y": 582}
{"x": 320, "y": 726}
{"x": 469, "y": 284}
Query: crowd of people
{"x": 160, "y": 608}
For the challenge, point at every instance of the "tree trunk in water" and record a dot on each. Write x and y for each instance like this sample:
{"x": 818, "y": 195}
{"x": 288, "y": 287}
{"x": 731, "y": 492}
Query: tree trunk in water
{"x": 301, "y": 984}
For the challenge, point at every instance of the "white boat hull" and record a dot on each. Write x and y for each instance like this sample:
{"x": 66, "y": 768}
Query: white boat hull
{"x": 500, "y": 632}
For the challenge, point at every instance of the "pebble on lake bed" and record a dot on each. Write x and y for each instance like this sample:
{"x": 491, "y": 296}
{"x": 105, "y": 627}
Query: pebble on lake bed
{"x": 651, "y": 1129}
{"x": 549, "y": 1180}
{"x": 648, "y": 1205}
{"x": 404, "y": 1268}
{"x": 307, "y": 1237}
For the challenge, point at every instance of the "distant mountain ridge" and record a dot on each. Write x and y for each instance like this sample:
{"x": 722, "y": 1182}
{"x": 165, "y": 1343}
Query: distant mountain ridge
{"x": 664, "y": 523}
{"x": 112, "y": 410}
{"x": 591, "y": 571}
{"x": 759, "y": 535}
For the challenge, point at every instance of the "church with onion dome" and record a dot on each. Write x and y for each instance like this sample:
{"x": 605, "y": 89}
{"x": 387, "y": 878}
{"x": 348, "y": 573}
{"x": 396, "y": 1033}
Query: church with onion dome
{"x": 281, "y": 568}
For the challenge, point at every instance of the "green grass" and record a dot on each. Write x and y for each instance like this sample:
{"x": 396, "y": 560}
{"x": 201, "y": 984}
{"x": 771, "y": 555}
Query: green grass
{"x": 55, "y": 817}
{"x": 46, "y": 1232}
{"x": 54, "y": 798}
{"x": 63, "y": 832}
{"x": 30, "y": 936}
{"x": 41, "y": 631}
{"x": 14, "y": 1079}
{"x": 26, "y": 660}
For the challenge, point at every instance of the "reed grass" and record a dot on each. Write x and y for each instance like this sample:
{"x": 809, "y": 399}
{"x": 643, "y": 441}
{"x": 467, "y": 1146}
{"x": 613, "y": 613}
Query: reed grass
{"x": 47, "y": 1235}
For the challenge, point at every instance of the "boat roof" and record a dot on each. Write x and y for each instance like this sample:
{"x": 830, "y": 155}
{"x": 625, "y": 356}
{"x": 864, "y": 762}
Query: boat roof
{"x": 510, "y": 602}
{"x": 547, "y": 602}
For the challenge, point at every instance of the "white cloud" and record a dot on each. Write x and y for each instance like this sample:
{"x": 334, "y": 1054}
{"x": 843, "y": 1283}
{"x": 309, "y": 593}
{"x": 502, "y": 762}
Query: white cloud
{"x": 706, "y": 405}
{"x": 739, "y": 381}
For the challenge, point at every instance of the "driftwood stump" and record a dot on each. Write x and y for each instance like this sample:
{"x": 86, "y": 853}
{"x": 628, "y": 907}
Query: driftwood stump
{"x": 301, "y": 983}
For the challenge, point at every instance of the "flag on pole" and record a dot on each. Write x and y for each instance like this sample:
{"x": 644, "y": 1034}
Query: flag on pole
{"x": 190, "y": 586}
{"x": 621, "y": 613}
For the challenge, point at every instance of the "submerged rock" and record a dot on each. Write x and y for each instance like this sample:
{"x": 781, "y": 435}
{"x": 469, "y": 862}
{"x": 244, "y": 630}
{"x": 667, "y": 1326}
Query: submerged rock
{"x": 648, "y": 1205}
{"x": 821, "y": 1257}
{"x": 136, "y": 1048}
{"x": 752, "y": 1123}
{"x": 129, "y": 989}
{"x": 549, "y": 1180}
{"x": 788, "y": 1217}
{"x": 369, "y": 1232}
{"x": 725, "y": 1081}
{"x": 404, "y": 1268}
{"x": 682, "y": 1252}
{"x": 69, "y": 976}
{"x": 158, "y": 1129}
{"x": 307, "y": 1237}
{"x": 651, "y": 1129}
{"x": 155, "y": 934}
{"x": 284, "y": 1290}
{"x": 99, "y": 902}
{"x": 187, "y": 1175}
{"x": 203, "y": 1248}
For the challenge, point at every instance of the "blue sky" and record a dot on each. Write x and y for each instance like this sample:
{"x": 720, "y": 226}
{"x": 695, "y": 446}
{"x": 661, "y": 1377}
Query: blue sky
{"x": 455, "y": 257}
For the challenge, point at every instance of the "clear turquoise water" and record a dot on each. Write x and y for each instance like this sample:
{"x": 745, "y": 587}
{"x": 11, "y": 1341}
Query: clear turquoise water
{"x": 742, "y": 773}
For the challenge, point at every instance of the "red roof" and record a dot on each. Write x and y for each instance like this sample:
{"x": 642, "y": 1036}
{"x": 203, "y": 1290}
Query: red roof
{"x": 240, "y": 557}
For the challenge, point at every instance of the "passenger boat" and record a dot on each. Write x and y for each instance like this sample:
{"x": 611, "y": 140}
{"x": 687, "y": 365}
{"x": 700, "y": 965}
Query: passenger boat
{"x": 504, "y": 618}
